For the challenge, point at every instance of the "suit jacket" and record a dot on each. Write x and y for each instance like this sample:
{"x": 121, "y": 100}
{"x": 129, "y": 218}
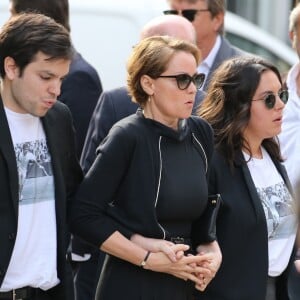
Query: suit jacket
{"x": 241, "y": 232}
{"x": 226, "y": 51}
{"x": 67, "y": 174}
{"x": 80, "y": 91}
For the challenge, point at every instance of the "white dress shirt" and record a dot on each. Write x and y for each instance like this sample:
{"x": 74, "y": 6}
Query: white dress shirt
{"x": 207, "y": 63}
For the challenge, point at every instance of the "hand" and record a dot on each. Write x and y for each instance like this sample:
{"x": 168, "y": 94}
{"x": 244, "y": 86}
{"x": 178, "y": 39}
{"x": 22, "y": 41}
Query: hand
{"x": 159, "y": 245}
{"x": 185, "y": 268}
{"x": 213, "y": 263}
{"x": 297, "y": 265}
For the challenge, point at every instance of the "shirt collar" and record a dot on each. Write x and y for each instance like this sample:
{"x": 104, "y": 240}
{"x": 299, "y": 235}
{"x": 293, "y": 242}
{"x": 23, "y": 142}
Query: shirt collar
{"x": 209, "y": 60}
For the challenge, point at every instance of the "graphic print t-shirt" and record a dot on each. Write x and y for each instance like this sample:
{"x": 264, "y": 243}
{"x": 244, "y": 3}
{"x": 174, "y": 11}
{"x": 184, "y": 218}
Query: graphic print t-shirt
{"x": 279, "y": 211}
{"x": 33, "y": 261}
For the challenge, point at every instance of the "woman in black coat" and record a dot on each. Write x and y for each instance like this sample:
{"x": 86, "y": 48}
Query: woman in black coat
{"x": 256, "y": 226}
{"x": 143, "y": 198}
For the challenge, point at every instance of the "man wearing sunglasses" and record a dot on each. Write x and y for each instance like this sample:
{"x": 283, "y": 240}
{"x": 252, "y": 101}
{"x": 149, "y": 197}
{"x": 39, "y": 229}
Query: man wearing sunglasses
{"x": 207, "y": 16}
{"x": 112, "y": 106}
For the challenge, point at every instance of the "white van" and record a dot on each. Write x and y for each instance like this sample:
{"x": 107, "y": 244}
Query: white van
{"x": 105, "y": 31}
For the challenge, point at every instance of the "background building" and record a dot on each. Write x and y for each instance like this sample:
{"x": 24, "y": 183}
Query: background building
{"x": 270, "y": 15}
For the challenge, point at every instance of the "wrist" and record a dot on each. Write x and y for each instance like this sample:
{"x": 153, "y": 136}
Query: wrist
{"x": 144, "y": 262}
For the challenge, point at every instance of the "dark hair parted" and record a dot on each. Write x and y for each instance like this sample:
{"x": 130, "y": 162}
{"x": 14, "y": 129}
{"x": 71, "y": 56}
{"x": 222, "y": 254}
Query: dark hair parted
{"x": 55, "y": 9}
{"x": 151, "y": 57}
{"x": 228, "y": 102}
{"x": 24, "y": 35}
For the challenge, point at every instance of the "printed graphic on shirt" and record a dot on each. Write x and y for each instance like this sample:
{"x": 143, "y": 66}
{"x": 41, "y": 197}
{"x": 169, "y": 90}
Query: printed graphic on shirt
{"x": 279, "y": 210}
{"x": 35, "y": 172}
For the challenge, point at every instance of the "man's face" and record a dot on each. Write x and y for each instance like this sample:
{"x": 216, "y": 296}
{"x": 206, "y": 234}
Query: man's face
{"x": 37, "y": 89}
{"x": 205, "y": 24}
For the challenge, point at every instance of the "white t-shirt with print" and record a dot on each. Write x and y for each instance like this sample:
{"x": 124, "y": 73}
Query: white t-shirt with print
{"x": 34, "y": 258}
{"x": 279, "y": 211}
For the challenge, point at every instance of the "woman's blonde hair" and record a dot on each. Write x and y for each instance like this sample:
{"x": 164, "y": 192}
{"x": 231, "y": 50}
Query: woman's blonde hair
{"x": 151, "y": 57}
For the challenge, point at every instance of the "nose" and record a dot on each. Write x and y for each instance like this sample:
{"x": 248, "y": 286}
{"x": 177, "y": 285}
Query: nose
{"x": 279, "y": 103}
{"x": 55, "y": 88}
{"x": 192, "y": 87}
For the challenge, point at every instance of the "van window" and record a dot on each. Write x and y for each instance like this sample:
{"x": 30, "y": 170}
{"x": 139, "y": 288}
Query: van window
{"x": 252, "y": 47}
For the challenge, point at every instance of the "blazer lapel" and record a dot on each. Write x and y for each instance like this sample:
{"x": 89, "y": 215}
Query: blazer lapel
{"x": 49, "y": 124}
{"x": 8, "y": 152}
{"x": 257, "y": 206}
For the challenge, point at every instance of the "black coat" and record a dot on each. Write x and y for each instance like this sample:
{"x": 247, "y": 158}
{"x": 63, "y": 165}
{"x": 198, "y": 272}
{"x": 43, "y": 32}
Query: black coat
{"x": 80, "y": 91}
{"x": 67, "y": 174}
{"x": 241, "y": 232}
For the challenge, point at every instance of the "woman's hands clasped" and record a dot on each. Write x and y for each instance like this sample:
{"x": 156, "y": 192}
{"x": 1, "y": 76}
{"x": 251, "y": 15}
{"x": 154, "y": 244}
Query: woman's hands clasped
{"x": 170, "y": 258}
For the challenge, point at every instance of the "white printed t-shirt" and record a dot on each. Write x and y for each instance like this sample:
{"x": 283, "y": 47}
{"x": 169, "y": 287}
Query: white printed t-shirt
{"x": 279, "y": 211}
{"x": 34, "y": 258}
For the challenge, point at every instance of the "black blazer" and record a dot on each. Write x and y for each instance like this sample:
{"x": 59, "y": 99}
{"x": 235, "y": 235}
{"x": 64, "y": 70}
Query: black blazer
{"x": 80, "y": 91}
{"x": 67, "y": 175}
{"x": 241, "y": 232}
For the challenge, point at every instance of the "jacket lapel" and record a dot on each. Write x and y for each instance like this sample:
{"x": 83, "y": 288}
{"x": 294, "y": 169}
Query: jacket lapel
{"x": 48, "y": 122}
{"x": 8, "y": 153}
{"x": 253, "y": 192}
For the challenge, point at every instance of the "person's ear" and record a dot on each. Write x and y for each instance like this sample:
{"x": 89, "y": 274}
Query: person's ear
{"x": 147, "y": 84}
{"x": 292, "y": 36}
{"x": 10, "y": 68}
{"x": 218, "y": 21}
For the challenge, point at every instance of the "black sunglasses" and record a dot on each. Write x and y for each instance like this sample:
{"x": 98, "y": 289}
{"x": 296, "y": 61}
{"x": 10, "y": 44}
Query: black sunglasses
{"x": 184, "y": 80}
{"x": 187, "y": 13}
{"x": 270, "y": 99}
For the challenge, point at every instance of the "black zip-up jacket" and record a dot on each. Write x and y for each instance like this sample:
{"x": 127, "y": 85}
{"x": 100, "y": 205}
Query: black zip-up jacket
{"x": 120, "y": 191}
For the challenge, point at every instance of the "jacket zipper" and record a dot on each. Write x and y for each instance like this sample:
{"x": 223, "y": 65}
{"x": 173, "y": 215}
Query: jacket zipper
{"x": 158, "y": 186}
{"x": 205, "y": 157}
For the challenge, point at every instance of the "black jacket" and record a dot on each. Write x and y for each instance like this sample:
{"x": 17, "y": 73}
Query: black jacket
{"x": 119, "y": 191}
{"x": 67, "y": 174}
{"x": 242, "y": 233}
{"x": 80, "y": 91}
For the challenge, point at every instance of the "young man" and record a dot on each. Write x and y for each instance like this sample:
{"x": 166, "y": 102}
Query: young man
{"x": 35, "y": 56}
{"x": 207, "y": 16}
{"x": 82, "y": 87}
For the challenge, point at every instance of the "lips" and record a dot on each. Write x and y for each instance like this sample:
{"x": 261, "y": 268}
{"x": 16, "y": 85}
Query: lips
{"x": 279, "y": 119}
{"x": 49, "y": 103}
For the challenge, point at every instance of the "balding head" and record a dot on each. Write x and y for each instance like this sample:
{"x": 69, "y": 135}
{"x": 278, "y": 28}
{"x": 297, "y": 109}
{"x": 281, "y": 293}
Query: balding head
{"x": 171, "y": 25}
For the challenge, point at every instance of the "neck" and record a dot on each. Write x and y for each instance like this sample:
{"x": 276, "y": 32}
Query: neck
{"x": 156, "y": 116}
{"x": 206, "y": 46}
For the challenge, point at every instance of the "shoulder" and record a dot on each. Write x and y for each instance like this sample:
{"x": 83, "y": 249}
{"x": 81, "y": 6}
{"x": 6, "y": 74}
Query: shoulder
{"x": 81, "y": 69}
{"x": 228, "y": 50}
{"x": 201, "y": 126}
{"x": 116, "y": 95}
{"x": 125, "y": 135}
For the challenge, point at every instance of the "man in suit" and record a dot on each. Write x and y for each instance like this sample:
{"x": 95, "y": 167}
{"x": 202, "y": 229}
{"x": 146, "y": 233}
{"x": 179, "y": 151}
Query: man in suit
{"x": 113, "y": 106}
{"x": 35, "y": 55}
{"x": 207, "y": 16}
{"x": 82, "y": 87}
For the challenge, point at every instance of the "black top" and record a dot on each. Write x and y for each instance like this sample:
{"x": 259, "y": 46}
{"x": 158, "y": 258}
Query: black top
{"x": 147, "y": 179}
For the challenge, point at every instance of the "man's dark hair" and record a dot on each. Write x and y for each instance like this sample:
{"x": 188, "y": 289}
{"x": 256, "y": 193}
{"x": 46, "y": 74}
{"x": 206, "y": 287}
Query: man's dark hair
{"x": 55, "y": 9}
{"x": 24, "y": 35}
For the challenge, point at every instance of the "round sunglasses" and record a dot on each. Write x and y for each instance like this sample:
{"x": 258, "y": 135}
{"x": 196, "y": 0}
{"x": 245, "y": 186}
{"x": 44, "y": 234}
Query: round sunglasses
{"x": 270, "y": 99}
{"x": 184, "y": 80}
{"x": 187, "y": 13}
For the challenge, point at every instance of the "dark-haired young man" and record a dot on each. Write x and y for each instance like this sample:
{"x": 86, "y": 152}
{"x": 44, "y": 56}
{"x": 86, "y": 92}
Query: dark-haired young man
{"x": 35, "y": 56}
{"x": 82, "y": 87}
